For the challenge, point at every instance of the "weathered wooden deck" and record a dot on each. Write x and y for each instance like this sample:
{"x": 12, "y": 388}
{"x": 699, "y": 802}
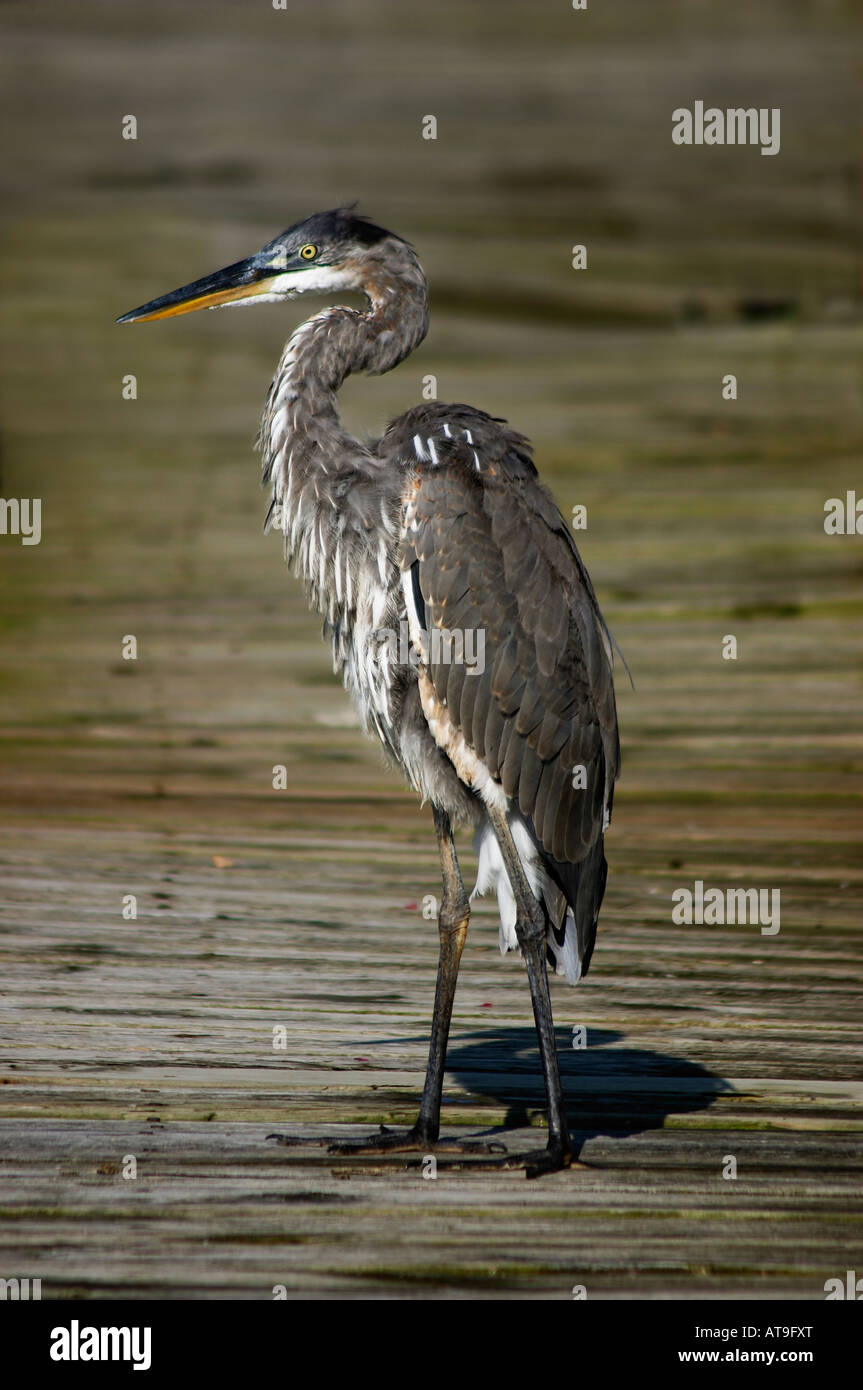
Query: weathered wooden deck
{"x": 301, "y": 910}
{"x": 155, "y": 1038}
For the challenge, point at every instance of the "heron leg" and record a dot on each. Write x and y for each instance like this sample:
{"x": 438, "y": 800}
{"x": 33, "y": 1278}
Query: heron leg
{"x": 453, "y": 921}
{"x": 530, "y": 930}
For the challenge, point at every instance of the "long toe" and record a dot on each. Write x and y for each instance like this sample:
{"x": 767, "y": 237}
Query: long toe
{"x": 413, "y": 1141}
{"x": 540, "y": 1162}
{"x": 385, "y": 1141}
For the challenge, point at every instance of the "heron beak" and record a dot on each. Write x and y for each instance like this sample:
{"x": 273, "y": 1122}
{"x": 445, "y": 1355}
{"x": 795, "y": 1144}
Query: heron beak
{"x": 239, "y": 283}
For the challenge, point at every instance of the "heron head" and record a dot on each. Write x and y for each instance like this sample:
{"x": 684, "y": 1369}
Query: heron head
{"x": 329, "y": 251}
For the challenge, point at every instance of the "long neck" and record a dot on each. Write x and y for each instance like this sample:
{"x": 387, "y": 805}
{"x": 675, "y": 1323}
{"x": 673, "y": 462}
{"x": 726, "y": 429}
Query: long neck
{"x": 302, "y": 438}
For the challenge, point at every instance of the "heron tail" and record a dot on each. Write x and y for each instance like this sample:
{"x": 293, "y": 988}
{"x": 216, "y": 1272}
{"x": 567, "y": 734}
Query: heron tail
{"x": 581, "y": 886}
{"x": 570, "y": 896}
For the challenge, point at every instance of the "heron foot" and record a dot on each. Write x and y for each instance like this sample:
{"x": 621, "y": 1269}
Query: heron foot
{"x": 539, "y": 1162}
{"x": 413, "y": 1141}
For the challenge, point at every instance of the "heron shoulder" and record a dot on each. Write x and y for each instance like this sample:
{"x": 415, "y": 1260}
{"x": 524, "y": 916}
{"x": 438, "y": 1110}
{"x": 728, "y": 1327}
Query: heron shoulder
{"x": 436, "y": 433}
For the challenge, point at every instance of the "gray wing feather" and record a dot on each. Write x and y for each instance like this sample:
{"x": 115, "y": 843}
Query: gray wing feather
{"x": 491, "y": 551}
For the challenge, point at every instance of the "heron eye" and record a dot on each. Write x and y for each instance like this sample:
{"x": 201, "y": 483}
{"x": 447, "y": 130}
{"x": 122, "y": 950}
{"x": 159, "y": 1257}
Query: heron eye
{"x": 308, "y": 252}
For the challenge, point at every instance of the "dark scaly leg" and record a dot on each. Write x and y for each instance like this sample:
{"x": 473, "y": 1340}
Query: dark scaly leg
{"x": 530, "y": 930}
{"x": 453, "y": 922}
{"x": 452, "y": 925}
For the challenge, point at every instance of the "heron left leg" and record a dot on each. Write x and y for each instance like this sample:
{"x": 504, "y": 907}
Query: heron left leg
{"x": 453, "y": 921}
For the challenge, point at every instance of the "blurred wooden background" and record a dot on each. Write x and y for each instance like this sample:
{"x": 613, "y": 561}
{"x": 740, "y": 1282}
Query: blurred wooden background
{"x": 302, "y": 908}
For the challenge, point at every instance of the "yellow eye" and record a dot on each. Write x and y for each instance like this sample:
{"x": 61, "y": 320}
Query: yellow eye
{"x": 308, "y": 252}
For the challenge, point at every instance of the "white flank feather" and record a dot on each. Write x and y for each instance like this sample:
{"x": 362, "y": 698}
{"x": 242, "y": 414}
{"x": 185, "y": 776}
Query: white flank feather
{"x": 492, "y": 875}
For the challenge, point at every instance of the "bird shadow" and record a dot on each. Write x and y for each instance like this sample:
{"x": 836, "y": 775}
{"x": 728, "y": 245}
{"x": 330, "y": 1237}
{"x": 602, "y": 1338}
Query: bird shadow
{"x": 609, "y": 1090}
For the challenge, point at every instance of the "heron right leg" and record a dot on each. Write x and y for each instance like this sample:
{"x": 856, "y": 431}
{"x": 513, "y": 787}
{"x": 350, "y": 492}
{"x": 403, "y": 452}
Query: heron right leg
{"x": 453, "y": 921}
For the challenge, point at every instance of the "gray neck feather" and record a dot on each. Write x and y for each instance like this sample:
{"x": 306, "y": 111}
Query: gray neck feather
{"x": 307, "y": 455}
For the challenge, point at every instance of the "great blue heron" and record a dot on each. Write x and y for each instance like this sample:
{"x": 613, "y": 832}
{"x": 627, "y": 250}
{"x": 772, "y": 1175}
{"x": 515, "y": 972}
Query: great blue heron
{"x": 442, "y": 525}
